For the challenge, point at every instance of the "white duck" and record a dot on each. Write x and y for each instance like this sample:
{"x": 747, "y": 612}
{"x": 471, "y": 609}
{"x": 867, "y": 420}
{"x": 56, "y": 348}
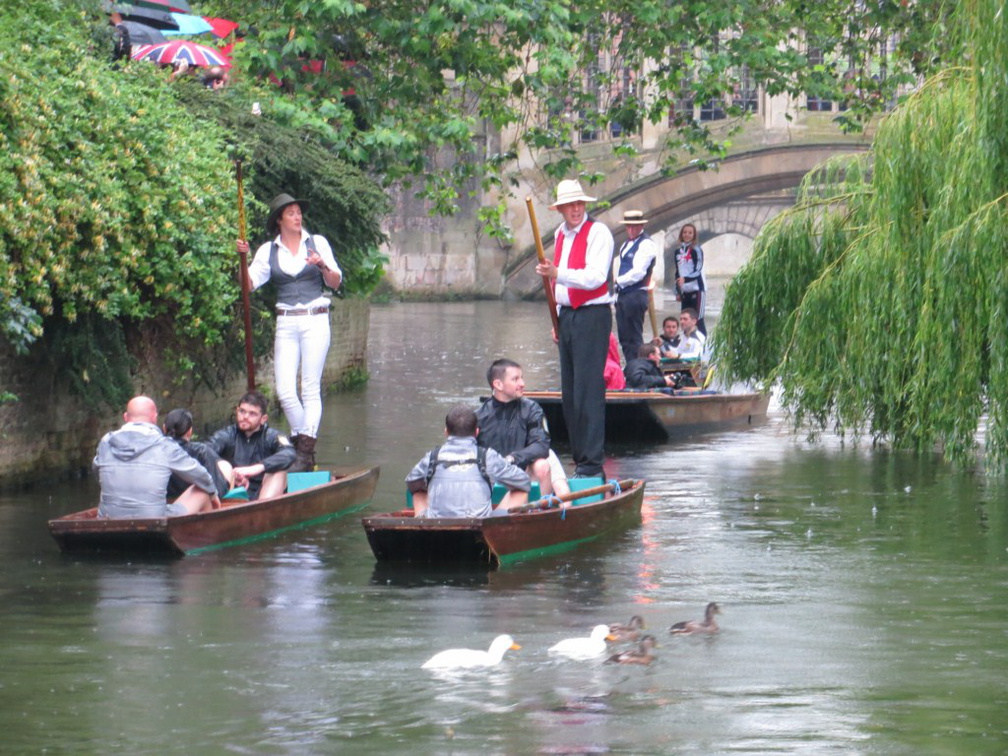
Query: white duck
{"x": 468, "y": 658}
{"x": 584, "y": 648}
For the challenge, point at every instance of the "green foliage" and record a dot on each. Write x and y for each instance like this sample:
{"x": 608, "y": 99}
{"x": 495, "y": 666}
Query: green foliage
{"x": 414, "y": 91}
{"x": 879, "y": 303}
{"x": 110, "y": 197}
{"x": 119, "y": 210}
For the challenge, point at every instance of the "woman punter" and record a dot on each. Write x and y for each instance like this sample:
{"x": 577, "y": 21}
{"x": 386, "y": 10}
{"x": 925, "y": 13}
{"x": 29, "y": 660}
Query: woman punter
{"x": 299, "y": 264}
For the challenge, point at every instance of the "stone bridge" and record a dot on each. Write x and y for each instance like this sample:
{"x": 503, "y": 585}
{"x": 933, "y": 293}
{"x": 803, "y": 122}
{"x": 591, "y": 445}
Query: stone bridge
{"x": 735, "y": 200}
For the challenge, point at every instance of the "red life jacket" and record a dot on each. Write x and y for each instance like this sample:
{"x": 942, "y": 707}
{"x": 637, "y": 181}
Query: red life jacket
{"x": 576, "y": 261}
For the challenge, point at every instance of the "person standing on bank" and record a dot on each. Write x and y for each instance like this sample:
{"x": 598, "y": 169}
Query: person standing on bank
{"x": 582, "y": 273}
{"x": 300, "y": 265}
{"x": 637, "y": 259}
{"x": 690, "y": 280}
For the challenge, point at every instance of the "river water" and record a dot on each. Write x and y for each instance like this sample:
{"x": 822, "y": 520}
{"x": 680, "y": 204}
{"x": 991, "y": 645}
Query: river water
{"x": 863, "y": 594}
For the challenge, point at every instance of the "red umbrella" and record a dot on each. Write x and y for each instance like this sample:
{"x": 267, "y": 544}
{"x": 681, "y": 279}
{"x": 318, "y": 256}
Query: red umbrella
{"x": 192, "y": 53}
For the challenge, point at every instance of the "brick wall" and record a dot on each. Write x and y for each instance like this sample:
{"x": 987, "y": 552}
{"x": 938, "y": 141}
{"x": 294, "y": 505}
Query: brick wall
{"x": 47, "y": 432}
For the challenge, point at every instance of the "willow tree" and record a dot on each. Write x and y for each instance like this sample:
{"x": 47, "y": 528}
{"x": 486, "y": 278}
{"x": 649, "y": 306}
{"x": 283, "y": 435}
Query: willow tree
{"x": 879, "y": 301}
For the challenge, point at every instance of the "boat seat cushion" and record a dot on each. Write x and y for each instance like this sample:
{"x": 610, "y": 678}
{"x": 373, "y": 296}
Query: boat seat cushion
{"x": 301, "y": 480}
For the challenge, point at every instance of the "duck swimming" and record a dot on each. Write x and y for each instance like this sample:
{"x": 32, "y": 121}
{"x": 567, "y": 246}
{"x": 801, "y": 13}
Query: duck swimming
{"x": 640, "y": 655}
{"x": 708, "y": 625}
{"x": 584, "y": 648}
{"x": 468, "y": 658}
{"x": 630, "y": 631}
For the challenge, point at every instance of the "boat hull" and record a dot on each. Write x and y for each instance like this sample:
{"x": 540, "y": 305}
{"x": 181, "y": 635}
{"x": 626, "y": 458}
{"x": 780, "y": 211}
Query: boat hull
{"x": 84, "y": 532}
{"x": 655, "y": 417}
{"x": 496, "y": 541}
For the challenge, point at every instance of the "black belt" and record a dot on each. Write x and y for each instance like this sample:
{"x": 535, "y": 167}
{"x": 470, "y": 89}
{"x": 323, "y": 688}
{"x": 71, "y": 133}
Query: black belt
{"x": 321, "y": 310}
{"x": 584, "y": 307}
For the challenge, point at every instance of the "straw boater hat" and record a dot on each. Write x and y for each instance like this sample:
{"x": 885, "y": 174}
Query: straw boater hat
{"x": 277, "y": 207}
{"x": 634, "y": 218}
{"x": 569, "y": 190}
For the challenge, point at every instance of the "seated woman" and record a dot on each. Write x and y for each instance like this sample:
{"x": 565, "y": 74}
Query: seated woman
{"x": 613, "y": 373}
{"x": 178, "y": 425}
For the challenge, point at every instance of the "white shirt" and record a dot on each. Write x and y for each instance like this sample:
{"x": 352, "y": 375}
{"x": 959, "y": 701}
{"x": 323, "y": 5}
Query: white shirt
{"x": 647, "y": 253}
{"x": 598, "y": 263}
{"x": 291, "y": 263}
{"x": 691, "y": 347}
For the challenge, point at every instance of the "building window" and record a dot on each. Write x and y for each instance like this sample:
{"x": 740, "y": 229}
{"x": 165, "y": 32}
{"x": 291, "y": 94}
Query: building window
{"x": 814, "y": 103}
{"x": 681, "y": 105}
{"x": 745, "y": 96}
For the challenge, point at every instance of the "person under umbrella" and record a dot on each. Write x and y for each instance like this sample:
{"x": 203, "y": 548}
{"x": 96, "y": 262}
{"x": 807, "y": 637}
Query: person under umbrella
{"x": 300, "y": 265}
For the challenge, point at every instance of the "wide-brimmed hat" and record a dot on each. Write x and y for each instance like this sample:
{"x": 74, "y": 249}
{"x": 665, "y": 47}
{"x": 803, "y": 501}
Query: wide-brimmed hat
{"x": 634, "y": 218}
{"x": 277, "y": 207}
{"x": 569, "y": 190}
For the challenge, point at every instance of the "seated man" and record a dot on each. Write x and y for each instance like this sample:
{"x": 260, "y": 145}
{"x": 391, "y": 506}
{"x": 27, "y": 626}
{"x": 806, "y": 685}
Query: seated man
{"x": 135, "y": 462}
{"x": 645, "y": 371}
{"x": 178, "y": 425}
{"x": 514, "y": 426}
{"x": 668, "y": 342}
{"x": 259, "y": 454}
{"x": 456, "y": 478}
{"x": 691, "y": 339}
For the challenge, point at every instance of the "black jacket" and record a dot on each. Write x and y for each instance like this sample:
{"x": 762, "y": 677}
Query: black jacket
{"x": 515, "y": 428}
{"x": 641, "y": 373}
{"x": 268, "y": 446}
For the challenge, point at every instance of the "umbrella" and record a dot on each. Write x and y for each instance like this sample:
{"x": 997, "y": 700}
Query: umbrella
{"x": 189, "y": 24}
{"x": 179, "y": 6}
{"x": 221, "y": 26}
{"x": 147, "y": 17}
{"x": 139, "y": 34}
{"x": 191, "y": 52}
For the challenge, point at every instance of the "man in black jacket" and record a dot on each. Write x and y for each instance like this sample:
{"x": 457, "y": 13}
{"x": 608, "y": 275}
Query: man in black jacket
{"x": 645, "y": 371}
{"x": 259, "y": 454}
{"x": 514, "y": 427}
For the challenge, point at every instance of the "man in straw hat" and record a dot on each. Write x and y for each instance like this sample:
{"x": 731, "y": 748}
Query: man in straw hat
{"x": 300, "y": 265}
{"x": 582, "y": 270}
{"x": 637, "y": 258}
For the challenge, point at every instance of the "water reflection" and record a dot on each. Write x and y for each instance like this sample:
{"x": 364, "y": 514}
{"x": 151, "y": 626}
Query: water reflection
{"x": 862, "y": 594}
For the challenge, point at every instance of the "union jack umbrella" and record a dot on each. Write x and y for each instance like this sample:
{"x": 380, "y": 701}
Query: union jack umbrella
{"x": 193, "y": 53}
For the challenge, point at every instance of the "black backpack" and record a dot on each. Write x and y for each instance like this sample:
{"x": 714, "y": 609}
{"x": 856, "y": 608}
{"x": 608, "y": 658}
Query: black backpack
{"x": 480, "y": 461}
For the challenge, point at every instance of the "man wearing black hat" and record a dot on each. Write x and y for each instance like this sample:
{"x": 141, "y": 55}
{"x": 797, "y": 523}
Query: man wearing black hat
{"x": 637, "y": 259}
{"x": 300, "y": 265}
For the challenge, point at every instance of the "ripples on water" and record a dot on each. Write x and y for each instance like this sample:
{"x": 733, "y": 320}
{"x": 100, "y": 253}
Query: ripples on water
{"x": 863, "y": 598}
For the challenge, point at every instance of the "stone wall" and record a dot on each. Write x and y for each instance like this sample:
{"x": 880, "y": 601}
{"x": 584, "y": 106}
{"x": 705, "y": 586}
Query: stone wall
{"x": 48, "y": 433}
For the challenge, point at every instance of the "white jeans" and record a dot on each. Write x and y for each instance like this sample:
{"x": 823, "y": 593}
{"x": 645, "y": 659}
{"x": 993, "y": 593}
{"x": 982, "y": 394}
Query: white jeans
{"x": 301, "y": 341}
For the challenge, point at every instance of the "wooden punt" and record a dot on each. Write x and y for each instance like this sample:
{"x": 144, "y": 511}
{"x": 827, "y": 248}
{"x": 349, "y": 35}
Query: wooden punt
{"x": 534, "y": 531}
{"x": 656, "y": 417}
{"x": 235, "y": 523}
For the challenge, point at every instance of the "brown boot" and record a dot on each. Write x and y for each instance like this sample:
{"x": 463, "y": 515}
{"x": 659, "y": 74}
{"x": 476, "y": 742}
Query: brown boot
{"x": 300, "y": 461}
{"x": 305, "y": 461}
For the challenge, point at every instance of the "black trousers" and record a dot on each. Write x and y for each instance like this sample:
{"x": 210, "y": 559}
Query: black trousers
{"x": 631, "y": 307}
{"x": 698, "y": 301}
{"x": 584, "y": 343}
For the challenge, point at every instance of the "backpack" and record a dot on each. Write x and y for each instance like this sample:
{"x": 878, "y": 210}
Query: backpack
{"x": 480, "y": 461}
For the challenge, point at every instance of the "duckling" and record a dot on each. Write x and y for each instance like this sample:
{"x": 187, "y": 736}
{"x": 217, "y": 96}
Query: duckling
{"x": 640, "y": 655}
{"x": 628, "y": 632}
{"x": 692, "y": 626}
{"x": 468, "y": 658}
{"x": 584, "y": 648}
